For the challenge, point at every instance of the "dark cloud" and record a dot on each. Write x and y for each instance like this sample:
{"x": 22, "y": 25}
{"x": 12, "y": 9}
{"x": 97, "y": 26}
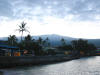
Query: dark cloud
{"x": 85, "y": 9}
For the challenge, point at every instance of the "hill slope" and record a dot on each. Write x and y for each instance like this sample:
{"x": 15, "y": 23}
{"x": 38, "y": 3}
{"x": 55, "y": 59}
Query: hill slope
{"x": 55, "y": 40}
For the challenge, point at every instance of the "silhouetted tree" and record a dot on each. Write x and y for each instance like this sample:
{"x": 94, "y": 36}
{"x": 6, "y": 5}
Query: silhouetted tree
{"x": 22, "y": 29}
{"x": 47, "y": 42}
{"x": 63, "y": 42}
{"x": 28, "y": 38}
{"x": 83, "y": 45}
{"x": 37, "y": 49}
{"x": 12, "y": 40}
{"x": 44, "y": 43}
{"x": 28, "y": 42}
{"x": 31, "y": 45}
{"x": 40, "y": 41}
{"x": 91, "y": 50}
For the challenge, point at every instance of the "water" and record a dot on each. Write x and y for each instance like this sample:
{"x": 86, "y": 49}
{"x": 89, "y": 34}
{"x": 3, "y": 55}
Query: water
{"x": 83, "y": 66}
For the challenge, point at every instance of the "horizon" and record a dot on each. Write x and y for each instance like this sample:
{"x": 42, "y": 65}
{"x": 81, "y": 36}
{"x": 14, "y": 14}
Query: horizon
{"x": 76, "y": 19}
{"x": 1, "y": 38}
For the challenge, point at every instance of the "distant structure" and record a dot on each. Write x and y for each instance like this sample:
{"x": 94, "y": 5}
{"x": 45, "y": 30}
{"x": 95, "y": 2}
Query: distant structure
{"x": 6, "y": 50}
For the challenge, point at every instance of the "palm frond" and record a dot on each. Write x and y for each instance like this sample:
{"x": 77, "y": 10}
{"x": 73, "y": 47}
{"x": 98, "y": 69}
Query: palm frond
{"x": 26, "y": 30}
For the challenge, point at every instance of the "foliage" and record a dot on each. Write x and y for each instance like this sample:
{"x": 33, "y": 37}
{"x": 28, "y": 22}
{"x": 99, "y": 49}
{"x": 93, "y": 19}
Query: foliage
{"x": 31, "y": 45}
{"x": 84, "y": 46}
{"x": 12, "y": 40}
{"x": 66, "y": 47}
{"x": 22, "y": 28}
{"x": 63, "y": 41}
{"x": 36, "y": 46}
{"x": 46, "y": 42}
{"x": 40, "y": 41}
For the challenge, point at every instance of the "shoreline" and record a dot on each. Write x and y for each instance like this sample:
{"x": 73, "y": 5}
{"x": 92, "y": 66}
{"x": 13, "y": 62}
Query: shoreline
{"x": 8, "y": 62}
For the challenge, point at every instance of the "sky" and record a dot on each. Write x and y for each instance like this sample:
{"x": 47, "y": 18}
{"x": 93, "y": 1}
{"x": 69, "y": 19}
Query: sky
{"x": 74, "y": 18}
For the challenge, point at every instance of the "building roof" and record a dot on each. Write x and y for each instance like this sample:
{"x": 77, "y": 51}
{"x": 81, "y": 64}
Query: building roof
{"x": 8, "y": 47}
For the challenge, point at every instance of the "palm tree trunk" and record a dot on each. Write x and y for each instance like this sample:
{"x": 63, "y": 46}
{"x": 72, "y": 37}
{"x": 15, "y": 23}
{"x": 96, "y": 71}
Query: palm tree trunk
{"x": 22, "y": 36}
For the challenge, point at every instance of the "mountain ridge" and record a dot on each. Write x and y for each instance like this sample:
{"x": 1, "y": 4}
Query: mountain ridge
{"x": 55, "y": 39}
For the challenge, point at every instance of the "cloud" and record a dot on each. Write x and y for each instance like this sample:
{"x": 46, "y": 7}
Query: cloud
{"x": 72, "y": 16}
{"x": 5, "y": 8}
{"x": 80, "y": 9}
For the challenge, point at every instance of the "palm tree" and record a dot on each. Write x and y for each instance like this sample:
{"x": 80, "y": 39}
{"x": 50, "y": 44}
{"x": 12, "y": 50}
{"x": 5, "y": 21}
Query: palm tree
{"x": 28, "y": 38}
{"x": 40, "y": 41}
{"x": 63, "y": 41}
{"x": 47, "y": 41}
{"x": 22, "y": 28}
{"x": 12, "y": 40}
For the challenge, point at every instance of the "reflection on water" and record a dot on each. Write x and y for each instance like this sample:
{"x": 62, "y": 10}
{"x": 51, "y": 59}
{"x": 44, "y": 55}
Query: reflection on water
{"x": 83, "y": 66}
{"x": 1, "y": 73}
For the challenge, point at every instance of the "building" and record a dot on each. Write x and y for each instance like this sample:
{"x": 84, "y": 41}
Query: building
{"x": 6, "y": 50}
{"x": 98, "y": 51}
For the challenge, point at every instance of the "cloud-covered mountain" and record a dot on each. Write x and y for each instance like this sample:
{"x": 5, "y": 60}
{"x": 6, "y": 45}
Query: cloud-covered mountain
{"x": 55, "y": 40}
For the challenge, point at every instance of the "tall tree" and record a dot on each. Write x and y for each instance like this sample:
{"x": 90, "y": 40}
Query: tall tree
{"x": 31, "y": 45}
{"x": 40, "y": 41}
{"x": 47, "y": 42}
{"x": 28, "y": 38}
{"x": 63, "y": 41}
{"x": 28, "y": 42}
{"x": 84, "y": 46}
{"x": 12, "y": 40}
{"x": 22, "y": 29}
